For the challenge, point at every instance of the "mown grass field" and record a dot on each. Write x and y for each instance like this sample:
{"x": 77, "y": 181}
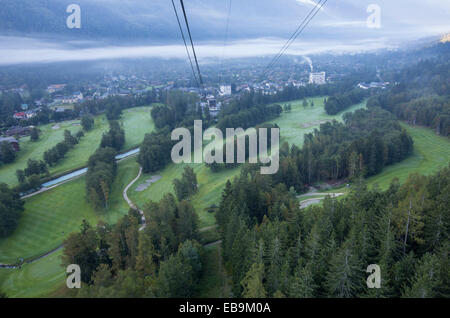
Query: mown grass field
{"x": 431, "y": 152}
{"x": 210, "y": 188}
{"x": 136, "y": 122}
{"x": 293, "y": 125}
{"x": 51, "y": 216}
{"x": 38, "y": 279}
{"x": 211, "y": 184}
{"x": 300, "y": 120}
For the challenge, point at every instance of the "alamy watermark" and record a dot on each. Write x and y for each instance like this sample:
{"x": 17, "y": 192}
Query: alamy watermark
{"x": 74, "y": 278}
{"x": 374, "y": 19}
{"x": 213, "y": 152}
{"x": 74, "y": 19}
{"x": 374, "y": 279}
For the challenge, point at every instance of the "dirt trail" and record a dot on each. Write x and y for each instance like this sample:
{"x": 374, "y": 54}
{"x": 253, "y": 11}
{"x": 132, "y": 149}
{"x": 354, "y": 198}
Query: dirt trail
{"x": 125, "y": 196}
{"x": 213, "y": 243}
{"x": 205, "y": 229}
{"x": 308, "y": 202}
{"x": 130, "y": 203}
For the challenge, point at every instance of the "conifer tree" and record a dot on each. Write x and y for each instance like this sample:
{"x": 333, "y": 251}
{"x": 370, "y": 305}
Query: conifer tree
{"x": 252, "y": 283}
{"x": 344, "y": 279}
{"x": 425, "y": 280}
{"x": 302, "y": 284}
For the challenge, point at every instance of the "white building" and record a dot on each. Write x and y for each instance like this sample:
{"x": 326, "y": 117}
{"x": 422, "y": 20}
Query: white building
{"x": 225, "y": 90}
{"x": 55, "y": 88}
{"x": 317, "y": 78}
{"x": 78, "y": 96}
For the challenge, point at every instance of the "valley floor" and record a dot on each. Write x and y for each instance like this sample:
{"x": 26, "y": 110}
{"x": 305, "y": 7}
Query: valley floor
{"x": 49, "y": 218}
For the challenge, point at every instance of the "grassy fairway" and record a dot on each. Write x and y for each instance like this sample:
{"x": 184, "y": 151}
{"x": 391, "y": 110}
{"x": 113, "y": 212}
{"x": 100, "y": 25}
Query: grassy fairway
{"x": 136, "y": 122}
{"x": 41, "y": 227}
{"x": 51, "y": 216}
{"x": 431, "y": 152}
{"x": 38, "y": 279}
{"x": 300, "y": 120}
{"x": 211, "y": 184}
{"x": 63, "y": 208}
{"x": 210, "y": 188}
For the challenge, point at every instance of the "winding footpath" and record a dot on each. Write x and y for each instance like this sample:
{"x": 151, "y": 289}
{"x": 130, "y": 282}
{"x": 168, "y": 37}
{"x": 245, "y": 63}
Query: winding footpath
{"x": 305, "y": 203}
{"x": 125, "y": 196}
{"x": 130, "y": 203}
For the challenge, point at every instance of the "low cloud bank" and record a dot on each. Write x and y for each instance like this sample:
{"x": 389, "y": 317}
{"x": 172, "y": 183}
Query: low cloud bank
{"x": 23, "y": 50}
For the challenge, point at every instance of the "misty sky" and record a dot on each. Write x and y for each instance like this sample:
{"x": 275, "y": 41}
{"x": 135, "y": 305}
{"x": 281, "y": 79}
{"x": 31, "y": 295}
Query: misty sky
{"x": 144, "y": 28}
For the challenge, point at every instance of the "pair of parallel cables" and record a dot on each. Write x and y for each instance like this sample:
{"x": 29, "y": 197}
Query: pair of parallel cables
{"x": 198, "y": 80}
{"x": 318, "y": 6}
{"x": 197, "y": 76}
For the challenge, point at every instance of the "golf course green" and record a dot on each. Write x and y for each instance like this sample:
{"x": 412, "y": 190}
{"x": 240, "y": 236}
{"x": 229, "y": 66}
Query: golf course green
{"x": 51, "y": 216}
{"x": 136, "y": 122}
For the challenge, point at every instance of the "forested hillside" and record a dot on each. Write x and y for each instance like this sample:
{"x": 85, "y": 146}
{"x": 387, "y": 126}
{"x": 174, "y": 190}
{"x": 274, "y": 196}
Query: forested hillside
{"x": 367, "y": 141}
{"x": 163, "y": 260}
{"x": 421, "y": 96}
{"x": 274, "y": 249}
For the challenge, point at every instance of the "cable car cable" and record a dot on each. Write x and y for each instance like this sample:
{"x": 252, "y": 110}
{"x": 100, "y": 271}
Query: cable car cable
{"x": 295, "y": 35}
{"x": 273, "y": 61}
{"x": 185, "y": 44}
{"x": 192, "y": 42}
{"x": 226, "y": 37}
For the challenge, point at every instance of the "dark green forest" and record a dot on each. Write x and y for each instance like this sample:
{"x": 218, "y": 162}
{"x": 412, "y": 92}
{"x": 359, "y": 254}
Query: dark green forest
{"x": 421, "y": 96}
{"x": 339, "y": 102}
{"x": 11, "y": 208}
{"x": 274, "y": 249}
{"x": 367, "y": 141}
{"x": 163, "y": 260}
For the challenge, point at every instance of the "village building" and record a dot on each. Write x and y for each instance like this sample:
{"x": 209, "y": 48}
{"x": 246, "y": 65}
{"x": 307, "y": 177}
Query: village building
{"x": 225, "y": 90}
{"x": 18, "y": 131}
{"x": 55, "y": 88}
{"x": 13, "y": 141}
{"x": 317, "y": 78}
{"x": 24, "y": 115}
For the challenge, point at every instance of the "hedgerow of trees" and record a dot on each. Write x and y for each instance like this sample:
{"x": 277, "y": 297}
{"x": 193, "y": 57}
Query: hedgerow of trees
{"x": 7, "y": 153}
{"x": 187, "y": 185}
{"x": 215, "y": 167}
{"x": 102, "y": 166}
{"x": 102, "y": 169}
{"x": 11, "y": 208}
{"x": 58, "y": 152}
{"x": 249, "y": 117}
{"x": 115, "y": 137}
{"x": 30, "y": 177}
{"x": 87, "y": 122}
{"x": 339, "y": 102}
{"x": 181, "y": 111}
{"x": 34, "y": 134}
